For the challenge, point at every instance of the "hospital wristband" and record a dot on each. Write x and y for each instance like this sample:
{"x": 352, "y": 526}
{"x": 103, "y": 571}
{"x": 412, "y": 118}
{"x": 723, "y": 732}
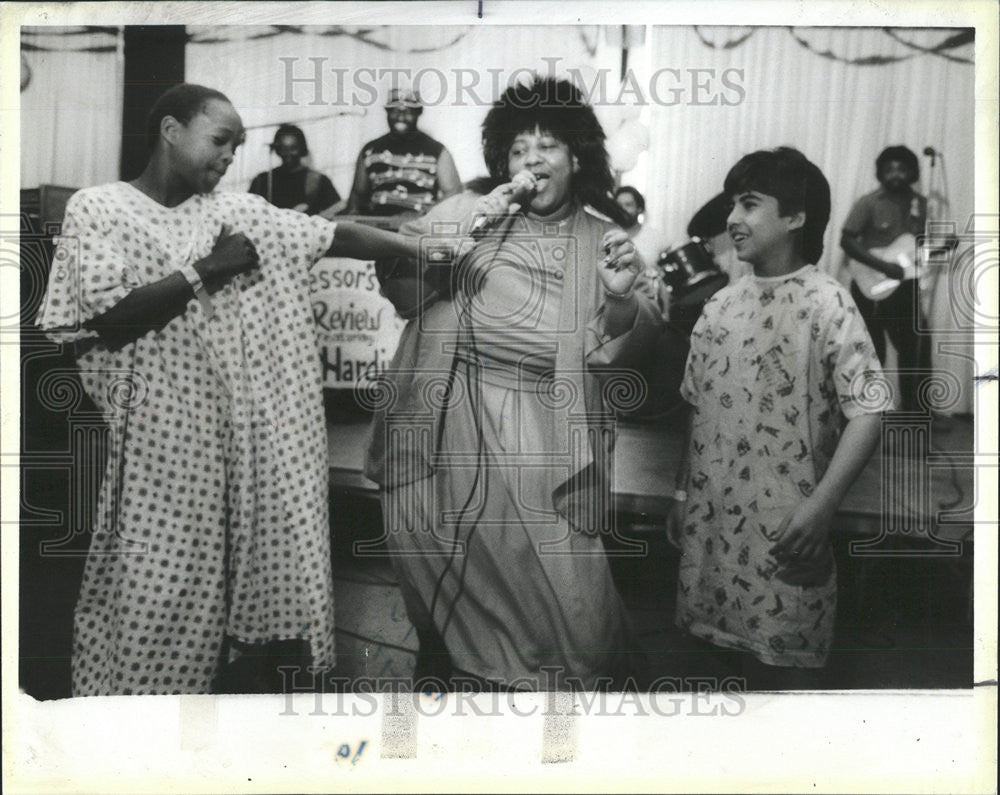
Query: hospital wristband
{"x": 190, "y": 273}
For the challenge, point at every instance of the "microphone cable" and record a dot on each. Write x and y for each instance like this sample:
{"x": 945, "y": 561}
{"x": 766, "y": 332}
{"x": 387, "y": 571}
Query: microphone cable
{"x": 466, "y": 325}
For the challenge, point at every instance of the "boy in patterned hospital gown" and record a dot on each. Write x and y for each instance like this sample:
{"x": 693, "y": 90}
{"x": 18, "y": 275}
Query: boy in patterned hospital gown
{"x": 785, "y": 391}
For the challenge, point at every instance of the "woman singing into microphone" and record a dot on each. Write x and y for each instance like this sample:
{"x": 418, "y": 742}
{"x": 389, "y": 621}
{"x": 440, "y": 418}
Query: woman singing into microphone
{"x": 495, "y": 451}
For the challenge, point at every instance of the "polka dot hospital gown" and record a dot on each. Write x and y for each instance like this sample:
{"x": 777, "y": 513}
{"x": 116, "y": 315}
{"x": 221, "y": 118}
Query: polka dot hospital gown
{"x": 212, "y": 518}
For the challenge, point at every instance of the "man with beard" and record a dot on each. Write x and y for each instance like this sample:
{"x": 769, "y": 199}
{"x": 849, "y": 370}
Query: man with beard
{"x": 876, "y": 222}
{"x": 405, "y": 170}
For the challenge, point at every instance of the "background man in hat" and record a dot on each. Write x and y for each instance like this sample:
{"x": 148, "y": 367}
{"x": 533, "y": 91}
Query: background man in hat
{"x": 405, "y": 170}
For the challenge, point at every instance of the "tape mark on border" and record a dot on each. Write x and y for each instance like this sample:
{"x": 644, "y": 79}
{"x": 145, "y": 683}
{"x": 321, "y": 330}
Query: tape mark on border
{"x": 399, "y": 727}
{"x": 559, "y": 729}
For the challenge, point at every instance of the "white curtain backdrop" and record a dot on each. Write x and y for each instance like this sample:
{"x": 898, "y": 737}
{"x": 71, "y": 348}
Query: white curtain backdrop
{"x": 250, "y": 73}
{"x": 800, "y": 93}
{"x": 71, "y": 109}
{"x": 840, "y": 115}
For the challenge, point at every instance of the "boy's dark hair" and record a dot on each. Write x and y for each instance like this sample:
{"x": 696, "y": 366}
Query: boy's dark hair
{"x": 640, "y": 202}
{"x": 900, "y": 154}
{"x": 797, "y": 184}
{"x": 183, "y": 102}
{"x": 296, "y": 132}
{"x": 557, "y": 107}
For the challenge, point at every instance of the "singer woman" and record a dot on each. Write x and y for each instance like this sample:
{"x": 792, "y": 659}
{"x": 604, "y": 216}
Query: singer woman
{"x": 495, "y": 519}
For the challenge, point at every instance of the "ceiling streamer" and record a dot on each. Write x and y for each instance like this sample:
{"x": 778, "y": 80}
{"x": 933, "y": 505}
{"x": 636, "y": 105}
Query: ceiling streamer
{"x": 952, "y": 40}
{"x": 368, "y": 35}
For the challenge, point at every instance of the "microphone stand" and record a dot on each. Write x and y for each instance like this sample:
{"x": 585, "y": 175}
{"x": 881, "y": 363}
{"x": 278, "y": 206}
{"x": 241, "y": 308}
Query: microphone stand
{"x": 938, "y": 247}
{"x": 933, "y": 244}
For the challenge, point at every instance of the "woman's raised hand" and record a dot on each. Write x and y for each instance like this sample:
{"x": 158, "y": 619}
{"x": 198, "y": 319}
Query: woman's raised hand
{"x": 620, "y": 264}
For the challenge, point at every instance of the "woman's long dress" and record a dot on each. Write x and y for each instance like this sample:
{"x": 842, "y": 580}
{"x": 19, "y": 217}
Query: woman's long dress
{"x": 527, "y": 600}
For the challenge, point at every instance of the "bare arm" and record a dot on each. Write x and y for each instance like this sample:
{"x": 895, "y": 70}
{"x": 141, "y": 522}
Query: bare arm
{"x": 804, "y": 530}
{"x": 360, "y": 241}
{"x": 449, "y": 183}
{"x": 857, "y": 443}
{"x": 361, "y": 189}
{"x": 154, "y": 305}
{"x": 619, "y": 313}
{"x": 618, "y": 272}
{"x": 682, "y": 478}
{"x": 333, "y": 210}
{"x": 144, "y": 309}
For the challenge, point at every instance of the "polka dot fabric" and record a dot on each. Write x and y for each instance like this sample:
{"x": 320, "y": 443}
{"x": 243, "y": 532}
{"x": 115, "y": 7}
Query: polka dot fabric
{"x": 213, "y": 517}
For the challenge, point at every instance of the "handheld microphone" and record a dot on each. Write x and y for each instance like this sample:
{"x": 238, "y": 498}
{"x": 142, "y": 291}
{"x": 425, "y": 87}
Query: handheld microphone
{"x": 522, "y": 190}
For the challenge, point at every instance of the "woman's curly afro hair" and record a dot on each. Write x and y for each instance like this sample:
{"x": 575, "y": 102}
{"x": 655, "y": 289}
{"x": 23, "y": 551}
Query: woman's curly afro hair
{"x": 559, "y": 108}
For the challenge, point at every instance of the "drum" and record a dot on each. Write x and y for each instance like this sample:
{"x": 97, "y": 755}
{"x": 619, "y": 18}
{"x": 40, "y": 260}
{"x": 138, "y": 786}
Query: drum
{"x": 688, "y": 300}
{"x": 664, "y": 367}
{"x": 683, "y": 263}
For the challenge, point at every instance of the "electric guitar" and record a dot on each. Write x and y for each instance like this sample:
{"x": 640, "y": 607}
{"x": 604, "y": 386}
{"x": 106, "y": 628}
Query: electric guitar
{"x": 923, "y": 262}
{"x": 875, "y": 285}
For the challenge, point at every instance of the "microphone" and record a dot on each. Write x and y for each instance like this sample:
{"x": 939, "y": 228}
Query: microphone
{"x": 932, "y": 153}
{"x": 522, "y": 189}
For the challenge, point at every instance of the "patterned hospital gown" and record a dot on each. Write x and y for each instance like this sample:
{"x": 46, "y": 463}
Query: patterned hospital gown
{"x": 777, "y": 365}
{"x": 212, "y": 518}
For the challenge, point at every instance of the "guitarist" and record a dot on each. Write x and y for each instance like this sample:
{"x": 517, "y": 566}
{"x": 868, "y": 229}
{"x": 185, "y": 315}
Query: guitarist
{"x": 877, "y": 220}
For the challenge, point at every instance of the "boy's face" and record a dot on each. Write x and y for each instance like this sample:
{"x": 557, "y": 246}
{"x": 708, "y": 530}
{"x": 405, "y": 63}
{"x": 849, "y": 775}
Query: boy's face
{"x": 757, "y": 228}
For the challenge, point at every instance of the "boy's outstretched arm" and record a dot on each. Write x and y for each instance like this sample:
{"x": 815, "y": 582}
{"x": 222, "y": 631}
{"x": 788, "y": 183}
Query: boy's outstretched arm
{"x": 804, "y": 530}
{"x": 360, "y": 241}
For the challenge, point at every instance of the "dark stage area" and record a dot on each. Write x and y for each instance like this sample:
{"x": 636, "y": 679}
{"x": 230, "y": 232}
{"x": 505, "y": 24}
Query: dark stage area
{"x": 904, "y": 619}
